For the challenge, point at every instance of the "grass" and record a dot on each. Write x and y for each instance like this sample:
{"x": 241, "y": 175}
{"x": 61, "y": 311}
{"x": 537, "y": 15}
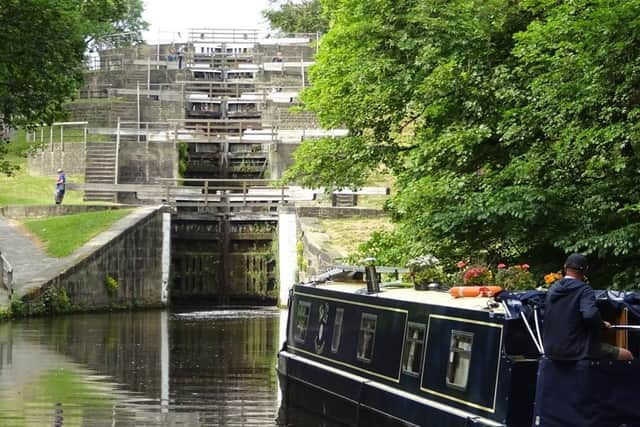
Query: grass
{"x": 24, "y": 189}
{"x": 346, "y": 234}
{"x": 372, "y": 201}
{"x": 62, "y": 235}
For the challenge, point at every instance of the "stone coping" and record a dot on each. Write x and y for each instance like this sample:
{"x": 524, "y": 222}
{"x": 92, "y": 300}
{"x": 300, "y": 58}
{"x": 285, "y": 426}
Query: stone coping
{"x": 89, "y": 250}
{"x": 44, "y": 211}
{"x": 335, "y": 212}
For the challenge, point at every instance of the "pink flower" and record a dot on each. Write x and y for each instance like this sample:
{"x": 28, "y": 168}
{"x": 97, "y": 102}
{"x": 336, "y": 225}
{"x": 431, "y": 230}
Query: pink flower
{"x": 525, "y": 266}
{"x": 502, "y": 266}
{"x": 461, "y": 264}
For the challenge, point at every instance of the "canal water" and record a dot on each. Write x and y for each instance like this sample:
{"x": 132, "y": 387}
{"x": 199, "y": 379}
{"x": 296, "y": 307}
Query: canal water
{"x": 149, "y": 368}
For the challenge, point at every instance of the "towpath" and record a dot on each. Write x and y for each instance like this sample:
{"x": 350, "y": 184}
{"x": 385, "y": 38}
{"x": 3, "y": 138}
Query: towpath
{"x": 32, "y": 267}
{"x": 29, "y": 261}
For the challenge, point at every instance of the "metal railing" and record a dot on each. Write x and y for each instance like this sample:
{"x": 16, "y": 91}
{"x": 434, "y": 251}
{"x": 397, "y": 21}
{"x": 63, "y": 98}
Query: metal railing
{"x": 6, "y": 274}
{"x": 223, "y": 193}
{"x": 234, "y": 36}
{"x": 59, "y": 133}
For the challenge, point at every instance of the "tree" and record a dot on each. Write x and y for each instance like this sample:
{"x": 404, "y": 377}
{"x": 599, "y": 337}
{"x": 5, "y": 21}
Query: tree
{"x": 305, "y": 16}
{"x": 511, "y": 126}
{"x": 42, "y": 47}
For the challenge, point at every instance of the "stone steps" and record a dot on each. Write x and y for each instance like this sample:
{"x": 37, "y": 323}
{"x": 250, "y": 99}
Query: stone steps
{"x": 100, "y": 169}
{"x": 344, "y": 200}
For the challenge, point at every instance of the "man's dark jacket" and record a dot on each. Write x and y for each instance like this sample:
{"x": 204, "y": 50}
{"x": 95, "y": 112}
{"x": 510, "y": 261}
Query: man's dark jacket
{"x": 572, "y": 322}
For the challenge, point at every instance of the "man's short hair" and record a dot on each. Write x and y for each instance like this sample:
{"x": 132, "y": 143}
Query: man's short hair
{"x": 577, "y": 262}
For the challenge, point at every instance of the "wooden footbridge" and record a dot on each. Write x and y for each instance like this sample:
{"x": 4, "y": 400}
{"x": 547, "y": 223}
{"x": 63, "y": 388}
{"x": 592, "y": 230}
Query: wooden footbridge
{"x": 229, "y": 196}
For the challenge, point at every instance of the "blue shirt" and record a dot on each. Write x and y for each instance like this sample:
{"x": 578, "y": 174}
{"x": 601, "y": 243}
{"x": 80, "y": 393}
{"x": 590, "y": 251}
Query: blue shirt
{"x": 61, "y": 182}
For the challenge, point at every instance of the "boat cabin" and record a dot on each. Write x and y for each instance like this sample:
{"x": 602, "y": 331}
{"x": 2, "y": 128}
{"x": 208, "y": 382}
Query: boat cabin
{"x": 393, "y": 355}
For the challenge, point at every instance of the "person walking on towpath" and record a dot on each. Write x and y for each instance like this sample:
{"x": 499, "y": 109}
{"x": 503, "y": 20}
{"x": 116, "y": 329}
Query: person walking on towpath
{"x": 60, "y": 186}
{"x": 572, "y": 323}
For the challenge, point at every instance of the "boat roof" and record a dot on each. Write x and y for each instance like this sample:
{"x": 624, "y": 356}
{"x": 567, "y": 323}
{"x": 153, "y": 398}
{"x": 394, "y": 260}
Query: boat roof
{"x": 410, "y": 294}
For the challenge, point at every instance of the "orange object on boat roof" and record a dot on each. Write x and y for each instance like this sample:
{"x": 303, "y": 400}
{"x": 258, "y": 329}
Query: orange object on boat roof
{"x": 474, "y": 291}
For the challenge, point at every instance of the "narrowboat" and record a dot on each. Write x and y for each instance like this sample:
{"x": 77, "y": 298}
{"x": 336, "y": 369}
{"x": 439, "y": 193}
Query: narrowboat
{"x": 360, "y": 352}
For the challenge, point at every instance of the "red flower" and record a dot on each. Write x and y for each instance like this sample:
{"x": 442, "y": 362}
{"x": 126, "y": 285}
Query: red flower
{"x": 525, "y": 266}
{"x": 502, "y": 266}
{"x": 461, "y": 264}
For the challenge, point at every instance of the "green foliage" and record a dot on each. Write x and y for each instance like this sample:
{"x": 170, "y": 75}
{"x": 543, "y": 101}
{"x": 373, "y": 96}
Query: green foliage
{"x": 183, "y": 158}
{"x": 114, "y": 23}
{"x": 304, "y": 16}
{"x": 516, "y": 277}
{"x": 302, "y": 264}
{"x": 23, "y": 189}
{"x": 42, "y": 47}
{"x": 64, "y": 234}
{"x": 53, "y": 300}
{"x": 111, "y": 284}
{"x": 18, "y": 307}
{"x": 387, "y": 247}
{"x": 431, "y": 275}
{"x": 326, "y": 161}
{"x": 512, "y": 127}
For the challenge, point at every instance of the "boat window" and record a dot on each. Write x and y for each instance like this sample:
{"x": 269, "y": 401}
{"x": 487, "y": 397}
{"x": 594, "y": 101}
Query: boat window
{"x": 337, "y": 330}
{"x": 413, "y": 345}
{"x": 302, "y": 320}
{"x": 459, "y": 359}
{"x": 366, "y": 337}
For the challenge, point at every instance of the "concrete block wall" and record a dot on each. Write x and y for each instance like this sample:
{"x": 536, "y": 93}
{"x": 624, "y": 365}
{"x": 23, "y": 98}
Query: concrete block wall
{"x": 161, "y": 111}
{"x": 103, "y": 112}
{"x": 288, "y": 119}
{"x": 138, "y": 162}
{"x": 45, "y": 162}
{"x": 338, "y": 213}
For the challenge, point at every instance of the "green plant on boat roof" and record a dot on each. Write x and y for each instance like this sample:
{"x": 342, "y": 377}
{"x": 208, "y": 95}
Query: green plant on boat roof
{"x": 426, "y": 269}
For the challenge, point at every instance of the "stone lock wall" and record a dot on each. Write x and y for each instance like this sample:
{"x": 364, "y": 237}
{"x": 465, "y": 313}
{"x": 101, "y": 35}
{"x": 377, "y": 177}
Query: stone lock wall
{"x": 161, "y": 110}
{"x": 316, "y": 257}
{"x": 280, "y": 159}
{"x": 131, "y": 262}
{"x": 140, "y": 162}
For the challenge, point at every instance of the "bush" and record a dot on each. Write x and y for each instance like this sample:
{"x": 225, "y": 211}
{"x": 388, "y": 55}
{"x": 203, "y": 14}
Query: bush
{"x": 515, "y": 277}
{"x": 18, "y": 307}
{"x": 112, "y": 285}
{"x": 55, "y": 300}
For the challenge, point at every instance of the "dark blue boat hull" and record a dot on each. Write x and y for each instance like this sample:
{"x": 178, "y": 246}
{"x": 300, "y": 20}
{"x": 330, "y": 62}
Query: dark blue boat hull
{"x": 357, "y": 401}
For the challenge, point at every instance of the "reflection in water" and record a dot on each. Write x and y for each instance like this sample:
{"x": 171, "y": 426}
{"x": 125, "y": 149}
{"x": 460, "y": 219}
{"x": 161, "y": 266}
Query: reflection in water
{"x": 214, "y": 368}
